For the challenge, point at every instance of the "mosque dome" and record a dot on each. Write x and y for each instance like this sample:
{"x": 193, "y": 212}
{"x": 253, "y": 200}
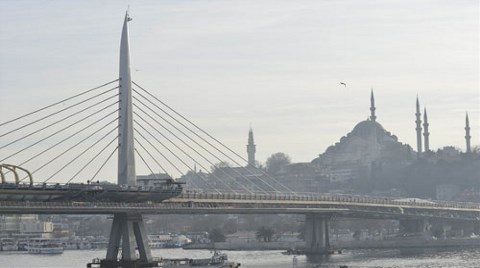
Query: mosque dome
{"x": 367, "y": 128}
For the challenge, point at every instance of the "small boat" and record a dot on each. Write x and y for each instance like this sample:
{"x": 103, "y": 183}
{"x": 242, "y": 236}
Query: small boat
{"x": 8, "y": 244}
{"x": 44, "y": 246}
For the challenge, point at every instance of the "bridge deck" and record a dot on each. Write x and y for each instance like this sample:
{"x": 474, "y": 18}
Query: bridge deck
{"x": 219, "y": 203}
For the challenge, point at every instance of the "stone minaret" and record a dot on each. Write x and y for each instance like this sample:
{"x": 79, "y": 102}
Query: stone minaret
{"x": 425, "y": 130}
{"x": 418, "y": 121}
{"x": 467, "y": 134}
{"x": 372, "y": 107}
{"x": 251, "y": 149}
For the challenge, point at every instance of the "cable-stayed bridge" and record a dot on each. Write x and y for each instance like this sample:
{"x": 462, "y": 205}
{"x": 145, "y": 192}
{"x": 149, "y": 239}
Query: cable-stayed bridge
{"x": 59, "y": 160}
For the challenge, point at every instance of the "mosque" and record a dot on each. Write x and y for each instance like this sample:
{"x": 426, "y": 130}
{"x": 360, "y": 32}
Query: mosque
{"x": 367, "y": 157}
{"x": 356, "y": 156}
{"x": 366, "y": 145}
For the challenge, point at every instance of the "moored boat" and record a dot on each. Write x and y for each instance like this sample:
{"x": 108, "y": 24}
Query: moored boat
{"x": 8, "y": 244}
{"x": 44, "y": 246}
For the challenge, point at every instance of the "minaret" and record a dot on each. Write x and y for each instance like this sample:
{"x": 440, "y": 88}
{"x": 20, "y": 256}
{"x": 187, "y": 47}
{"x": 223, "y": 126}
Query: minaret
{"x": 467, "y": 134}
{"x": 251, "y": 149}
{"x": 418, "y": 121}
{"x": 372, "y": 107}
{"x": 126, "y": 156}
{"x": 425, "y": 130}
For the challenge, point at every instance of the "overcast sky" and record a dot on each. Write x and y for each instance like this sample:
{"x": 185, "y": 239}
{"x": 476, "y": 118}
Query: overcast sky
{"x": 274, "y": 64}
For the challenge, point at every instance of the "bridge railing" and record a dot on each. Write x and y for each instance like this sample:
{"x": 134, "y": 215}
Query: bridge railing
{"x": 344, "y": 198}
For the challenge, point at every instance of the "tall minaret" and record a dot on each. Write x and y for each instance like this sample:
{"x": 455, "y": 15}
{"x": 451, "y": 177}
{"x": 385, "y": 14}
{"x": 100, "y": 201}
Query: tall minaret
{"x": 372, "y": 107}
{"x": 126, "y": 156}
{"x": 251, "y": 149}
{"x": 418, "y": 121}
{"x": 467, "y": 134}
{"x": 425, "y": 130}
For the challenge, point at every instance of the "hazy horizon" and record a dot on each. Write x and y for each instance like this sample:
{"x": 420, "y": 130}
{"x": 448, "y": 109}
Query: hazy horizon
{"x": 274, "y": 65}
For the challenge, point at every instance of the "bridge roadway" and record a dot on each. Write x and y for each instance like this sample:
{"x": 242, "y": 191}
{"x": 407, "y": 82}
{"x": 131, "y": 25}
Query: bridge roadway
{"x": 340, "y": 206}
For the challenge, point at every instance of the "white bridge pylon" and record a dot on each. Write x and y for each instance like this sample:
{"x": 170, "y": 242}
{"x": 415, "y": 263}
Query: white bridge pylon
{"x": 128, "y": 230}
{"x": 126, "y": 151}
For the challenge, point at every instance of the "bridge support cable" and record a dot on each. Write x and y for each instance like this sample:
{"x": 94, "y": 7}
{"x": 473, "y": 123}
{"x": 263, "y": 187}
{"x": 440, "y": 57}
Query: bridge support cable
{"x": 104, "y": 163}
{"x": 91, "y": 160}
{"x": 75, "y": 158}
{"x": 208, "y": 135}
{"x": 194, "y": 141}
{"x": 206, "y": 141}
{"x": 168, "y": 149}
{"x": 159, "y": 152}
{"x": 151, "y": 156}
{"x": 56, "y": 122}
{"x": 59, "y": 131}
{"x": 183, "y": 151}
{"x": 75, "y": 134}
{"x": 75, "y": 145}
{"x": 58, "y": 102}
{"x": 58, "y": 112}
{"x": 186, "y": 144}
{"x": 146, "y": 164}
{"x": 78, "y": 156}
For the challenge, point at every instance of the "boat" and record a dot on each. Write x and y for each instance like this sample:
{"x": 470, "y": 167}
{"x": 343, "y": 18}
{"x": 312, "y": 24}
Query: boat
{"x": 8, "y": 244}
{"x": 44, "y": 246}
{"x": 218, "y": 260}
{"x": 159, "y": 240}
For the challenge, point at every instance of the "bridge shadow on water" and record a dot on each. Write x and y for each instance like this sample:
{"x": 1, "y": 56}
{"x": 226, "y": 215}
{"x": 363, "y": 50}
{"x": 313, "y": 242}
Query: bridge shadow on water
{"x": 318, "y": 258}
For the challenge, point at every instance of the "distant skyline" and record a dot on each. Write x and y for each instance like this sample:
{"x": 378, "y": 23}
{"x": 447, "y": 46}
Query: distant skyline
{"x": 274, "y": 65}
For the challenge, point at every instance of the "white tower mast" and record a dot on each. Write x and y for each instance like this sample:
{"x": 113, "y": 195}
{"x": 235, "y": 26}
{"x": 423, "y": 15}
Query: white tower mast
{"x": 126, "y": 153}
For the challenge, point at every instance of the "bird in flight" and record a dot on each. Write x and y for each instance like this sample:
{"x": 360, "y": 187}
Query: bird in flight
{"x": 342, "y": 83}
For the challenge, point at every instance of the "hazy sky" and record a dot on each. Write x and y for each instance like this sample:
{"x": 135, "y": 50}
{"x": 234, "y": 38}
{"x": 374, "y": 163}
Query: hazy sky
{"x": 273, "y": 64}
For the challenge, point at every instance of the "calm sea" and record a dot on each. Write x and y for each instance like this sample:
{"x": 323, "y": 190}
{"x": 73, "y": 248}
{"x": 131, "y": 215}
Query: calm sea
{"x": 461, "y": 258}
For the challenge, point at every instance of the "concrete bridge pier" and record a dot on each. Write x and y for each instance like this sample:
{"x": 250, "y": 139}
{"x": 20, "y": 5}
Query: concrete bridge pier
{"x": 316, "y": 234}
{"x": 446, "y": 228}
{"x": 476, "y": 227}
{"x": 128, "y": 232}
{"x": 417, "y": 227}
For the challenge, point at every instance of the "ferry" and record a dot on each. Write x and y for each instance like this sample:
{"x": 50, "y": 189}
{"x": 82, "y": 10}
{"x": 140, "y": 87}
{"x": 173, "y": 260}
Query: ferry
{"x": 44, "y": 246}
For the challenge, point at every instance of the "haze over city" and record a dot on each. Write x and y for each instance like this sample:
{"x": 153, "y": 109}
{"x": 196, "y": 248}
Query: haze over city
{"x": 274, "y": 65}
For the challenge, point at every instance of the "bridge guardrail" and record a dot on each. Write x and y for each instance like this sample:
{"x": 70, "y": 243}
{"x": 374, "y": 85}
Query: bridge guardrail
{"x": 330, "y": 198}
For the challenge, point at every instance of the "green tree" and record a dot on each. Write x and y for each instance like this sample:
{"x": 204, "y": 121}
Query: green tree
{"x": 230, "y": 226}
{"x": 265, "y": 234}
{"x": 216, "y": 235}
{"x": 276, "y": 161}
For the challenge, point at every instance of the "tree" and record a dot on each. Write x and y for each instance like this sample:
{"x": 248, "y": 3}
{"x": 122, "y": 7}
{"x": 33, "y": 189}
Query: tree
{"x": 265, "y": 234}
{"x": 301, "y": 232}
{"x": 276, "y": 161}
{"x": 216, "y": 235}
{"x": 230, "y": 226}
